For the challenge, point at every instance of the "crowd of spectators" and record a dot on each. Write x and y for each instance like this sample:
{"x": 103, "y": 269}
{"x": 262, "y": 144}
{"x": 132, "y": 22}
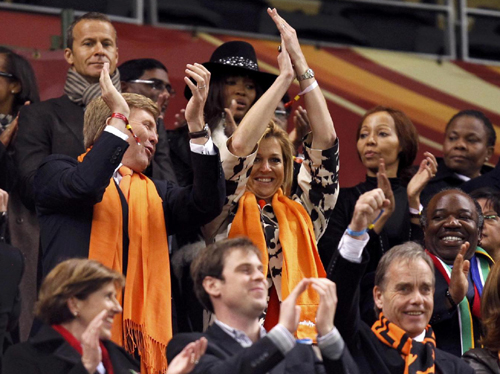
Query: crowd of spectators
{"x": 227, "y": 244}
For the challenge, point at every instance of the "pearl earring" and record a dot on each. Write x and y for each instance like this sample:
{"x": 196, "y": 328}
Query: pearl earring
{"x": 76, "y": 314}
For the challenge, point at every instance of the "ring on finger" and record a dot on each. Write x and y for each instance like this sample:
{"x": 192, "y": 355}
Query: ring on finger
{"x": 283, "y": 25}
{"x": 202, "y": 87}
{"x": 196, "y": 362}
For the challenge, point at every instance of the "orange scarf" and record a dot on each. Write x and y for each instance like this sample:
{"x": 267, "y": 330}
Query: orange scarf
{"x": 146, "y": 321}
{"x": 300, "y": 254}
{"x": 419, "y": 356}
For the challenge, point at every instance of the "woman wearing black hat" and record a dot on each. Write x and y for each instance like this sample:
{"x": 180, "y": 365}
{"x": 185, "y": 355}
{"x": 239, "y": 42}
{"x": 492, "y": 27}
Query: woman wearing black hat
{"x": 258, "y": 167}
{"x": 235, "y": 85}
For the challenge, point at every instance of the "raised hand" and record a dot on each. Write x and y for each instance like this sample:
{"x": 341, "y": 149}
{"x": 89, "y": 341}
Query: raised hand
{"x": 385, "y": 185}
{"x": 289, "y": 310}
{"x": 7, "y": 136}
{"x": 458, "y": 280}
{"x": 180, "y": 119}
{"x": 199, "y": 89}
{"x": 187, "y": 359}
{"x": 288, "y": 36}
{"x": 325, "y": 315}
{"x": 426, "y": 171}
{"x": 229, "y": 122}
{"x": 113, "y": 99}
{"x": 367, "y": 208}
{"x": 91, "y": 352}
{"x": 4, "y": 200}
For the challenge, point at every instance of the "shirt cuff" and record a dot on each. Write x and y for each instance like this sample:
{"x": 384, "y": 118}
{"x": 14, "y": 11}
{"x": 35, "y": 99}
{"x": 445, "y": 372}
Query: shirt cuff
{"x": 352, "y": 249}
{"x": 203, "y": 149}
{"x": 282, "y": 338}
{"x": 331, "y": 345}
{"x": 115, "y": 131}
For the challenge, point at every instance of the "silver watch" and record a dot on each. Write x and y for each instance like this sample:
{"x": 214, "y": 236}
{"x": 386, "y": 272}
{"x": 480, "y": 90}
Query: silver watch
{"x": 308, "y": 74}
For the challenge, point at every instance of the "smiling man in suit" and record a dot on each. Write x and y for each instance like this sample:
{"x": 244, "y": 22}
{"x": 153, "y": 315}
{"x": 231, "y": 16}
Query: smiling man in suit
{"x": 229, "y": 280}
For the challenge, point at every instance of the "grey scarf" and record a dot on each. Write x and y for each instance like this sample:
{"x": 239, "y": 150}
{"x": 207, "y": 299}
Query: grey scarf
{"x": 81, "y": 92}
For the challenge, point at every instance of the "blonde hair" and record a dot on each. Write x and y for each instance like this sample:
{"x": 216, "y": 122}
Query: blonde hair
{"x": 275, "y": 131}
{"x": 76, "y": 277}
{"x": 97, "y": 112}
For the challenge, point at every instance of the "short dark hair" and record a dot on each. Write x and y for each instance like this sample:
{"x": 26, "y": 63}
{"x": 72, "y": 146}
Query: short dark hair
{"x": 90, "y": 16}
{"x": 480, "y": 217}
{"x": 134, "y": 69}
{"x": 409, "y": 251}
{"x": 210, "y": 263}
{"x": 406, "y": 132}
{"x": 22, "y": 71}
{"x": 491, "y": 195}
{"x": 77, "y": 277}
{"x": 488, "y": 126}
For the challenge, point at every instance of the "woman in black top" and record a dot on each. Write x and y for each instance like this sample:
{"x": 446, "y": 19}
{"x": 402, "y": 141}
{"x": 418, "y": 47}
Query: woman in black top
{"x": 387, "y": 144}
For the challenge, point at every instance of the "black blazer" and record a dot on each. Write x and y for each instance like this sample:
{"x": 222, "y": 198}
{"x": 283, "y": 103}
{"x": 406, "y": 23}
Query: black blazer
{"x": 371, "y": 355}
{"x": 226, "y": 355}
{"x": 66, "y": 191}
{"x": 445, "y": 322}
{"x": 11, "y": 270}
{"x": 55, "y": 126}
{"x": 49, "y": 353}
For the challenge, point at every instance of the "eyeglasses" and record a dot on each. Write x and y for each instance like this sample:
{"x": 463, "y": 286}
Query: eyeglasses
{"x": 156, "y": 84}
{"x": 491, "y": 218}
{"x": 7, "y": 75}
{"x": 280, "y": 113}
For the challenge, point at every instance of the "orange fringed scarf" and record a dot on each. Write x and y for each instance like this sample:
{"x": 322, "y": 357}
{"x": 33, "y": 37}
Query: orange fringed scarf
{"x": 146, "y": 321}
{"x": 419, "y": 356}
{"x": 300, "y": 254}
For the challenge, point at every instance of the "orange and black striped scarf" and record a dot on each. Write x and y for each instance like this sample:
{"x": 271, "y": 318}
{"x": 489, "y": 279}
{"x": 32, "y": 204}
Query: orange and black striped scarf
{"x": 419, "y": 356}
{"x": 146, "y": 321}
{"x": 300, "y": 253}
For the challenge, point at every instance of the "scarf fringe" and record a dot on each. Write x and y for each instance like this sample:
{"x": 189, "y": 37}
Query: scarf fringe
{"x": 152, "y": 352}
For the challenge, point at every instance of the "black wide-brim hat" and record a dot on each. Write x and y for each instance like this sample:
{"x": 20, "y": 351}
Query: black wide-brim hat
{"x": 236, "y": 58}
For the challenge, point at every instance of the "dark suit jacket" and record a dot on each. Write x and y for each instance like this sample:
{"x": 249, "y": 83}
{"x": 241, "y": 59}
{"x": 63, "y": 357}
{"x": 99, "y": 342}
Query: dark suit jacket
{"x": 445, "y": 323}
{"x": 55, "y": 126}
{"x": 48, "y": 353}
{"x": 226, "y": 355}
{"x": 66, "y": 191}
{"x": 490, "y": 179}
{"x": 445, "y": 178}
{"x": 11, "y": 270}
{"x": 371, "y": 355}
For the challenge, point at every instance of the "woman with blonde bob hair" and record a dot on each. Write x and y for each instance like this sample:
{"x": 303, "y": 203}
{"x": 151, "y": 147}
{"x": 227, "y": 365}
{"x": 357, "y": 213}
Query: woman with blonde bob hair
{"x": 260, "y": 204}
{"x": 486, "y": 360}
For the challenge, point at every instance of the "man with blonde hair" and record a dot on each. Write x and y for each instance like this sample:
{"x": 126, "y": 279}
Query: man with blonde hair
{"x": 103, "y": 207}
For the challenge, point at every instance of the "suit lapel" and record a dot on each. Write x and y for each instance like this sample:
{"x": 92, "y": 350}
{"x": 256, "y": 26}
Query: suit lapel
{"x": 71, "y": 116}
{"x": 223, "y": 341}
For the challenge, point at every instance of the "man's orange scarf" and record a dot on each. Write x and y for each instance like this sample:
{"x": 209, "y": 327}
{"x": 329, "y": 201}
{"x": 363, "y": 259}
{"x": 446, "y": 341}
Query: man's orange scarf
{"x": 146, "y": 321}
{"x": 300, "y": 254}
{"x": 419, "y": 356}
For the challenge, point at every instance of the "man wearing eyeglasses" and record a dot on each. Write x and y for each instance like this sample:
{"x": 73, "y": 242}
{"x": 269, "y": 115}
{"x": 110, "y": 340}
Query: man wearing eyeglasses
{"x": 149, "y": 77}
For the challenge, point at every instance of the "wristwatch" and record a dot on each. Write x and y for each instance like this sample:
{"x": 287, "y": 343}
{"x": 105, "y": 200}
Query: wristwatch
{"x": 307, "y": 75}
{"x": 200, "y": 134}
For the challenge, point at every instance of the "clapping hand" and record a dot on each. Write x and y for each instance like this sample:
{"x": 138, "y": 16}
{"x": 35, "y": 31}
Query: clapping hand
{"x": 199, "y": 90}
{"x": 91, "y": 352}
{"x": 426, "y": 171}
{"x": 188, "y": 358}
{"x": 458, "y": 280}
